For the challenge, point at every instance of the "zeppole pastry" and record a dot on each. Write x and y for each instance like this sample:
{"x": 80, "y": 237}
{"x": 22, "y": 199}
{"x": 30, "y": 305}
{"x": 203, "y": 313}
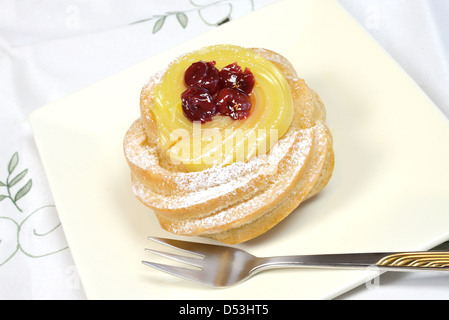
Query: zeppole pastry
{"x": 230, "y": 141}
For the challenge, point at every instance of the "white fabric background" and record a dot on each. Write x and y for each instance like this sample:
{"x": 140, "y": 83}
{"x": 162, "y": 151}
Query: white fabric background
{"x": 51, "y": 48}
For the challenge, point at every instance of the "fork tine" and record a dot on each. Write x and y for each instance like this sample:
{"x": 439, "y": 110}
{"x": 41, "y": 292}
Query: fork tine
{"x": 184, "y": 273}
{"x": 186, "y": 246}
{"x": 187, "y": 260}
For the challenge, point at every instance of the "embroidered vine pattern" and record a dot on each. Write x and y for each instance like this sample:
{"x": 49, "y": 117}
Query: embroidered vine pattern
{"x": 14, "y": 188}
{"x": 12, "y": 180}
{"x": 183, "y": 18}
{"x": 19, "y": 246}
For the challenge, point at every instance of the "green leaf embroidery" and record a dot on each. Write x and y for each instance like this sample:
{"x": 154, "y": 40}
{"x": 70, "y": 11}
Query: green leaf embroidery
{"x": 18, "y": 178}
{"x": 13, "y": 163}
{"x": 159, "y": 24}
{"x": 22, "y": 192}
{"x": 11, "y": 181}
{"x": 182, "y": 19}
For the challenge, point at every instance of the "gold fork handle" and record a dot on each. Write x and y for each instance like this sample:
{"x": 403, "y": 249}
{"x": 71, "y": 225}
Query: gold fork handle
{"x": 394, "y": 261}
{"x": 425, "y": 260}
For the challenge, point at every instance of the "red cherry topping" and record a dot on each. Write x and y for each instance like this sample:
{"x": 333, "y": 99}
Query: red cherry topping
{"x": 232, "y": 76}
{"x": 231, "y": 88}
{"x": 233, "y": 103}
{"x": 198, "y": 104}
{"x": 203, "y": 75}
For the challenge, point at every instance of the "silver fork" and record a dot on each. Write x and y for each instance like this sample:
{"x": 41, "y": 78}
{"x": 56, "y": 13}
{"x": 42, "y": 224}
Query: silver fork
{"x": 224, "y": 266}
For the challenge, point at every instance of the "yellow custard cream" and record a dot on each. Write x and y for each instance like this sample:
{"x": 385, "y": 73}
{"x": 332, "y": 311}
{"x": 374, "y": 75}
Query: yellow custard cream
{"x": 223, "y": 140}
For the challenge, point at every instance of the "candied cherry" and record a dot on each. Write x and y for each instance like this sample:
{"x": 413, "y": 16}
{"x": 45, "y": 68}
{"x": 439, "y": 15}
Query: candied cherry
{"x": 203, "y": 75}
{"x": 198, "y": 104}
{"x": 232, "y": 76}
{"x": 233, "y": 103}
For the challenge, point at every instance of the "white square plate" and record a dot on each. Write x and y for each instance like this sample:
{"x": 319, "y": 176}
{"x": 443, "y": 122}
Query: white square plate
{"x": 389, "y": 191}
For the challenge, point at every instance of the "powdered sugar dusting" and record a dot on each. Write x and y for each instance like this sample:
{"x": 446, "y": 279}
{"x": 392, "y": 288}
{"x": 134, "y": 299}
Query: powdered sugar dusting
{"x": 193, "y": 188}
{"x": 296, "y": 171}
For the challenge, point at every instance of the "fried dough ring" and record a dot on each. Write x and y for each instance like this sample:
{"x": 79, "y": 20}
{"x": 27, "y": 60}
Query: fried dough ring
{"x": 241, "y": 201}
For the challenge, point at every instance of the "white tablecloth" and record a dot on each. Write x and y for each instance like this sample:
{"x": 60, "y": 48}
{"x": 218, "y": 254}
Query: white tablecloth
{"x": 51, "y": 48}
